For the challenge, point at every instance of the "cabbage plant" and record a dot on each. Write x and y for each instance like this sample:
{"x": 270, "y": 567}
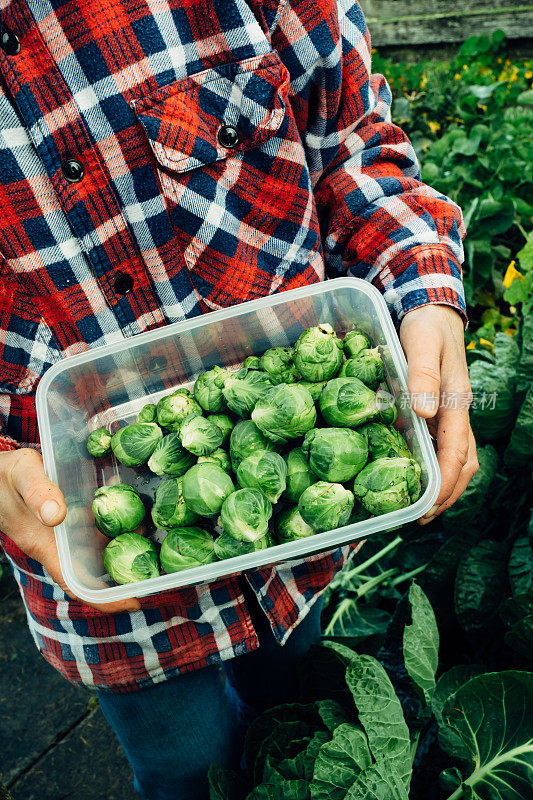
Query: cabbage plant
{"x": 285, "y": 412}
{"x": 388, "y": 484}
{"x": 245, "y": 514}
{"x": 117, "y": 509}
{"x": 384, "y": 441}
{"x": 278, "y": 363}
{"x": 134, "y": 444}
{"x": 325, "y": 506}
{"x": 290, "y": 526}
{"x": 99, "y": 443}
{"x": 208, "y": 391}
{"x": 252, "y": 362}
{"x": 130, "y": 558}
{"x": 172, "y": 409}
{"x": 314, "y": 389}
{"x": 169, "y": 509}
{"x": 299, "y": 475}
{"x": 347, "y": 403}
{"x": 242, "y": 390}
{"x": 266, "y": 471}
{"x": 148, "y": 413}
{"x": 246, "y": 438}
{"x": 318, "y": 353}
{"x": 227, "y": 546}
{"x": 199, "y": 435}
{"x": 335, "y": 454}
{"x": 205, "y": 487}
{"x": 170, "y": 458}
{"x": 187, "y": 547}
{"x": 218, "y": 457}
{"x": 355, "y": 342}
{"x": 367, "y": 366}
{"x": 223, "y": 423}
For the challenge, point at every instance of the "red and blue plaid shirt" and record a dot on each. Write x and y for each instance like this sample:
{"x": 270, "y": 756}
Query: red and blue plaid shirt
{"x": 199, "y": 153}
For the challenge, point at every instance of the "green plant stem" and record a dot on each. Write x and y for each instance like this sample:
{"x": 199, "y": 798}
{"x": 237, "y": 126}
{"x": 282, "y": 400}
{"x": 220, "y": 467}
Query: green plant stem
{"x": 407, "y": 575}
{"x": 372, "y": 560}
{"x": 367, "y": 587}
{"x": 414, "y": 745}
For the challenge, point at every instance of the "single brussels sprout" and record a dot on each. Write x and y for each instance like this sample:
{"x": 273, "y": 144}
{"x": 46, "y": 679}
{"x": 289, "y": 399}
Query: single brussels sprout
{"x": 335, "y": 454}
{"x": 278, "y": 364}
{"x": 367, "y": 366}
{"x": 299, "y": 475}
{"x": 388, "y": 484}
{"x": 117, "y": 509}
{"x": 252, "y": 362}
{"x": 130, "y": 558}
{"x": 187, "y": 547}
{"x": 169, "y": 509}
{"x": 318, "y": 353}
{"x": 218, "y": 457}
{"x": 228, "y": 547}
{"x": 245, "y": 514}
{"x": 347, "y": 403}
{"x": 325, "y": 506}
{"x": 266, "y": 471}
{"x": 314, "y": 389}
{"x": 172, "y": 409}
{"x": 245, "y": 439}
{"x": 290, "y": 525}
{"x": 99, "y": 443}
{"x": 148, "y": 413}
{"x": 199, "y": 435}
{"x": 285, "y": 412}
{"x": 387, "y": 411}
{"x": 384, "y": 441}
{"x": 205, "y": 487}
{"x": 134, "y": 444}
{"x": 355, "y": 342}
{"x": 170, "y": 458}
{"x": 224, "y": 423}
{"x": 208, "y": 393}
{"x": 243, "y": 389}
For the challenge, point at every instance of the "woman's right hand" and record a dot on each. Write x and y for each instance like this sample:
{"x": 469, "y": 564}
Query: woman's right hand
{"x": 30, "y": 506}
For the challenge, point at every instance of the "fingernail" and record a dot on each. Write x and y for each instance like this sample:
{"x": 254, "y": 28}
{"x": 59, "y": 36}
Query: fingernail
{"x": 49, "y": 511}
{"x": 431, "y": 513}
{"x": 424, "y": 401}
{"x": 425, "y": 520}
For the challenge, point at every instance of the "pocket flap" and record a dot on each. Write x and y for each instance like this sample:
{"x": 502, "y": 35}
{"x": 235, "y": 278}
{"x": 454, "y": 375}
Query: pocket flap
{"x": 182, "y": 120}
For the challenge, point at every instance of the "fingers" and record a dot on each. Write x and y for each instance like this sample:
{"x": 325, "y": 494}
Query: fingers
{"x": 42, "y": 497}
{"x": 422, "y": 345}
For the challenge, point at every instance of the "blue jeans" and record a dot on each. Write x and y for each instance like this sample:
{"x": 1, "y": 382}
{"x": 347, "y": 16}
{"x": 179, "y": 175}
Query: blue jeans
{"x": 171, "y": 732}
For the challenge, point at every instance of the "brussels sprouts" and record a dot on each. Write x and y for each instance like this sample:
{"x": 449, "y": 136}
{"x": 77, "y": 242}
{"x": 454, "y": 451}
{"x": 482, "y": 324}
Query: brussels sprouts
{"x": 187, "y": 547}
{"x": 314, "y": 389}
{"x": 387, "y": 411}
{"x": 359, "y": 514}
{"x": 388, "y": 484}
{"x": 172, "y": 409}
{"x": 130, "y": 558}
{"x": 347, "y": 403}
{"x": 243, "y": 389}
{"x": 170, "y": 458}
{"x": 228, "y": 547}
{"x": 367, "y": 366}
{"x": 266, "y": 471}
{"x": 384, "y": 441}
{"x": 285, "y": 412}
{"x": 99, "y": 443}
{"x": 325, "y": 506}
{"x": 335, "y": 454}
{"x": 219, "y": 457}
{"x": 290, "y": 526}
{"x": 252, "y": 362}
{"x": 205, "y": 487}
{"x": 199, "y": 435}
{"x": 134, "y": 444}
{"x": 278, "y": 364}
{"x": 245, "y": 439}
{"x": 169, "y": 509}
{"x": 245, "y": 514}
{"x": 148, "y": 413}
{"x": 318, "y": 353}
{"x": 355, "y": 342}
{"x": 223, "y": 422}
{"x": 208, "y": 393}
{"x": 299, "y": 475}
{"x": 117, "y": 509}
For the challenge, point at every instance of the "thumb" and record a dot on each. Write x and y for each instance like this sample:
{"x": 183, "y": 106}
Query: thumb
{"x": 42, "y": 497}
{"x": 422, "y": 351}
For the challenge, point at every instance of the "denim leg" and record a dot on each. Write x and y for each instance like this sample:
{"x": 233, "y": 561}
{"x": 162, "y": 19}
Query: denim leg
{"x": 171, "y": 732}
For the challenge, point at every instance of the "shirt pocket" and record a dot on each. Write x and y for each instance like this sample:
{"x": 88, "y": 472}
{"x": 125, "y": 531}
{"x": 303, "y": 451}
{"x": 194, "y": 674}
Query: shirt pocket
{"x": 232, "y": 171}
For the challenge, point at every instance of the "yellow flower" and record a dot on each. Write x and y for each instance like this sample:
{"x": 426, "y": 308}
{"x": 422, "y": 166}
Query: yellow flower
{"x": 528, "y": 74}
{"x": 457, "y": 77}
{"x": 471, "y": 346}
{"x": 424, "y": 81}
{"x": 482, "y": 107}
{"x": 433, "y": 126}
{"x": 465, "y": 66}
{"x": 373, "y": 50}
{"x": 511, "y": 332}
{"x": 485, "y": 343}
{"x": 484, "y": 71}
{"x": 510, "y": 274}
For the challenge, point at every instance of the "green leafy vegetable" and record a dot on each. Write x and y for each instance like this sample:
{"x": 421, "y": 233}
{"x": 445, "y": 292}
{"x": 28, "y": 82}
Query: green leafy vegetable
{"x": 134, "y": 444}
{"x": 117, "y": 509}
{"x": 99, "y": 443}
{"x": 318, "y": 353}
{"x": 421, "y": 644}
{"x": 130, "y": 557}
{"x": 285, "y": 412}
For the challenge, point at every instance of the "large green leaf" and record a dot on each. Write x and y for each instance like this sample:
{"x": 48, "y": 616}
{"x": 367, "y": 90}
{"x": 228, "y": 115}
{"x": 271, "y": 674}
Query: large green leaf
{"x": 263, "y": 725}
{"x": 521, "y": 565}
{"x": 338, "y": 763}
{"x": 480, "y": 584}
{"x": 421, "y": 643}
{"x": 380, "y": 714}
{"x": 331, "y": 713}
{"x": 378, "y": 782}
{"x": 280, "y": 790}
{"x": 301, "y": 766}
{"x": 520, "y": 447}
{"x": 226, "y": 784}
{"x": 471, "y": 506}
{"x": 353, "y": 621}
{"x": 446, "y": 687}
{"x": 286, "y": 740}
{"x": 492, "y": 715}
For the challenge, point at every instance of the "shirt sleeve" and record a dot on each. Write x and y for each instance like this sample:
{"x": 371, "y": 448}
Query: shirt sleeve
{"x": 378, "y": 221}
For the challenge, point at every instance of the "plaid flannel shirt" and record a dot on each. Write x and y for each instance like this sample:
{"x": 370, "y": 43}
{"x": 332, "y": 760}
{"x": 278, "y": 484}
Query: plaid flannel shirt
{"x": 201, "y": 153}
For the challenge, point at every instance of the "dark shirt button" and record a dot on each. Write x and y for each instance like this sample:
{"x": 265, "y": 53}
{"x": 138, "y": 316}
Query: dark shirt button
{"x": 73, "y": 170}
{"x": 10, "y": 43}
{"x": 228, "y": 136}
{"x": 123, "y": 283}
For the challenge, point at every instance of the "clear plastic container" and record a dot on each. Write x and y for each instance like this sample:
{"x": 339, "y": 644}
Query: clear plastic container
{"x": 107, "y": 386}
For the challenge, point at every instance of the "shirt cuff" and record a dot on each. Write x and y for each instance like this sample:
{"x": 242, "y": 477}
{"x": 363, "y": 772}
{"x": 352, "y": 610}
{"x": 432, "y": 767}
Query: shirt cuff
{"x": 7, "y": 443}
